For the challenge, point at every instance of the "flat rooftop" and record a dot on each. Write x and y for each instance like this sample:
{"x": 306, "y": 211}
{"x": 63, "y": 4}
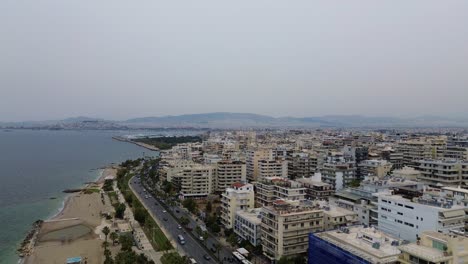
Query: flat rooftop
{"x": 359, "y": 241}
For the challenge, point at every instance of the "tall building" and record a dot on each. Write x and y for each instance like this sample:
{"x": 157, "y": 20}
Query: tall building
{"x": 274, "y": 188}
{"x": 238, "y": 198}
{"x": 435, "y": 248}
{"x": 252, "y": 159}
{"x": 286, "y": 226}
{"x": 272, "y": 168}
{"x": 228, "y": 173}
{"x": 194, "y": 180}
{"x": 356, "y": 245}
{"x": 338, "y": 173}
{"x": 301, "y": 165}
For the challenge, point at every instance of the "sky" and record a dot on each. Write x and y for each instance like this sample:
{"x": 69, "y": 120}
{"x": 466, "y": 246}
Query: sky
{"x": 121, "y": 59}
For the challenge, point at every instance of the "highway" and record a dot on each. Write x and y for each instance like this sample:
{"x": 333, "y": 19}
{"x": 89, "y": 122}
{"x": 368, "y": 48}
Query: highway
{"x": 192, "y": 247}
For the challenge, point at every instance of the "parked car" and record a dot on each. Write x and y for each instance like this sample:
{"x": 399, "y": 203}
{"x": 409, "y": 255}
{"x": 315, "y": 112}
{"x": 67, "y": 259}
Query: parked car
{"x": 207, "y": 257}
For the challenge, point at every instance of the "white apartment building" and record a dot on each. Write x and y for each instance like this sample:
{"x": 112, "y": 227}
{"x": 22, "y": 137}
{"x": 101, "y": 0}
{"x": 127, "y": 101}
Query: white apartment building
{"x": 286, "y": 227}
{"x": 238, "y": 198}
{"x": 273, "y": 188}
{"x": 228, "y": 173}
{"x": 247, "y": 225}
{"x": 445, "y": 172}
{"x": 405, "y": 219}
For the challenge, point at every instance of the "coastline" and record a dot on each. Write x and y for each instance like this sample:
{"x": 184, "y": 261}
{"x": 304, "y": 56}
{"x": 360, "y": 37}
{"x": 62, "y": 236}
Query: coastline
{"x": 78, "y": 209}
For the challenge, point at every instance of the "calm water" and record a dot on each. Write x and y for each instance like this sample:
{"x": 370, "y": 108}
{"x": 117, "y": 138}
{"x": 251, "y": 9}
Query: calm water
{"x": 37, "y": 165}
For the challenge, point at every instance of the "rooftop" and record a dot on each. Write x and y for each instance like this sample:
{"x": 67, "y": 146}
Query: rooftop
{"x": 368, "y": 243}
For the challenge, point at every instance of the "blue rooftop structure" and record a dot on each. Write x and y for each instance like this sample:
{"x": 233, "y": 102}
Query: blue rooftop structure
{"x": 74, "y": 260}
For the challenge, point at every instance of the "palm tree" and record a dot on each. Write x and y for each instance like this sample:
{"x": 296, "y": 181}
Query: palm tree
{"x": 106, "y": 231}
{"x": 105, "y": 244}
{"x": 113, "y": 236}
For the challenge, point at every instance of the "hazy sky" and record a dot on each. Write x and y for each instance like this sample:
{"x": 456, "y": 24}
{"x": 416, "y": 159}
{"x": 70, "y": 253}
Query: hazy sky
{"x": 120, "y": 59}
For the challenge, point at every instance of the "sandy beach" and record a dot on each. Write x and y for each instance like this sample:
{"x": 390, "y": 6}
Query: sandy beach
{"x": 76, "y": 230}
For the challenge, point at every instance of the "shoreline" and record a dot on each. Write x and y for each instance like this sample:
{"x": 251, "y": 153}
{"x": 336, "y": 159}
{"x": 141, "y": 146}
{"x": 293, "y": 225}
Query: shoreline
{"x": 140, "y": 144}
{"x": 85, "y": 208}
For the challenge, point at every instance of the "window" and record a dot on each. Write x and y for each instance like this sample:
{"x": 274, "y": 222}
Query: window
{"x": 438, "y": 245}
{"x": 410, "y": 207}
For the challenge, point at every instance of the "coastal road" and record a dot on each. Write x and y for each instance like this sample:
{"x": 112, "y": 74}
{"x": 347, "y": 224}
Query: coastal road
{"x": 192, "y": 248}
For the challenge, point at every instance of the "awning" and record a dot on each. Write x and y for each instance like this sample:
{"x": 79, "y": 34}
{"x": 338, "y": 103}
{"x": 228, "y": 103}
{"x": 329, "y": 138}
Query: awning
{"x": 75, "y": 260}
{"x": 452, "y": 214}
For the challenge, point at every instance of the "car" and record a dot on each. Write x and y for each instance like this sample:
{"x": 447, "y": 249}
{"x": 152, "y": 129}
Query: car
{"x": 164, "y": 211}
{"x": 213, "y": 250}
{"x": 177, "y": 211}
{"x": 201, "y": 238}
{"x": 155, "y": 203}
{"x": 165, "y": 219}
{"x": 179, "y": 227}
{"x": 207, "y": 257}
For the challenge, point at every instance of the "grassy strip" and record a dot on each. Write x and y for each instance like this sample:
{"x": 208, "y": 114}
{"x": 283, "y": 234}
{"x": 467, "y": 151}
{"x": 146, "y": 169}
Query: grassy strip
{"x": 149, "y": 226}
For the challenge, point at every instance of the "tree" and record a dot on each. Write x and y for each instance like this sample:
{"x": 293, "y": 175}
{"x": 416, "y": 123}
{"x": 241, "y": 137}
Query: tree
{"x": 106, "y": 231}
{"x": 140, "y": 215}
{"x": 184, "y": 220}
{"x": 113, "y": 236}
{"x": 191, "y": 205}
{"x": 120, "y": 211}
{"x": 126, "y": 242}
{"x": 208, "y": 207}
{"x": 292, "y": 260}
{"x": 217, "y": 246}
{"x": 232, "y": 239}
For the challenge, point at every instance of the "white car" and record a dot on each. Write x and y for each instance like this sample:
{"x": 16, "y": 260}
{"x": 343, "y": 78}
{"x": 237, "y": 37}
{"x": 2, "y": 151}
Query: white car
{"x": 179, "y": 227}
{"x": 164, "y": 211}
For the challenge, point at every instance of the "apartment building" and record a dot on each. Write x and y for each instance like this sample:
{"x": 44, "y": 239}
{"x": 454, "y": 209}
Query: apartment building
{"x": 358, "y": 244}
{"x": 272, "y": 168}
{"x": 316, "y": 189}
{"x": 336, "y": 217}
{"x": 338, "y": 173}
{"x": 407, "y": 173}
{"x": 274, "y": 188}
{"x": 418, "y": 149}
{"x": 286, "y": 227}
{"x": 238, "y": 198}
{"x": 228, "y": 173}
{"x": 301, "y": 165}
{"x": 379, "y": 168}
{"x": 248, "y": 225}
{"x": 194, "y": 180}
{"x": 364, "y": 199}
{"x": 252, "y": 158}
{"x": 405, "y": 219}
{"x": 435, "y": 248}
{"x": 455, "y": 152}
{"x": 446, "y": 172}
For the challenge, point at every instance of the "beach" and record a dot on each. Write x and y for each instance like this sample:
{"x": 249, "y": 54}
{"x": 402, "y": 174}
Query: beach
{"x": 76, "y": 230}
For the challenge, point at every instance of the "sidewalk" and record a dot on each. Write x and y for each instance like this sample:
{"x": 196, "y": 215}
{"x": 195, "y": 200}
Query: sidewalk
{"x": 143, "y": 240}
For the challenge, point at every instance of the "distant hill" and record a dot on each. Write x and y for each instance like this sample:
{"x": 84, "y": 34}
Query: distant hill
{"x": 245, "y": 120}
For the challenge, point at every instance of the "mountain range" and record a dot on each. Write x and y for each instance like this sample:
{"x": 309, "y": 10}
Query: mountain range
{"x": 243, "y": 120}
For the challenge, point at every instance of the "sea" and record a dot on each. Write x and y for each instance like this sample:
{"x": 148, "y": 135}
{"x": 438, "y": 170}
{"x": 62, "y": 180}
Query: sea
{"x": 37, "y": 165}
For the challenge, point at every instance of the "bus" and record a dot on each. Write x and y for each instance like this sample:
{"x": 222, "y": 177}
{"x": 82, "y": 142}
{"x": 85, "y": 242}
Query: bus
{"x": 181, "y": 239}
{"x": 238, "y": 256}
